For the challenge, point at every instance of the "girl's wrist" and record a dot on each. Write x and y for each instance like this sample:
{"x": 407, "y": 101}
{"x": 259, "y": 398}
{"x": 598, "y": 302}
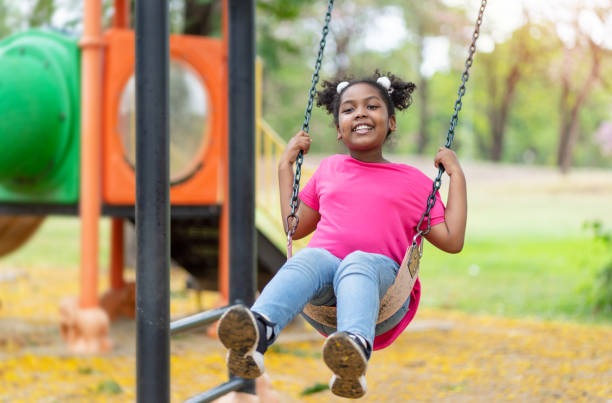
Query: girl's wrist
{"x": 453, "y": 169}
{"x": 284, "y": 164}
{"x": 455, "y": 172}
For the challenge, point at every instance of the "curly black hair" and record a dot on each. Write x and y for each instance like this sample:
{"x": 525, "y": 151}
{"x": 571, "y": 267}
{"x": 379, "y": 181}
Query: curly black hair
{"x": 399, "y": 98}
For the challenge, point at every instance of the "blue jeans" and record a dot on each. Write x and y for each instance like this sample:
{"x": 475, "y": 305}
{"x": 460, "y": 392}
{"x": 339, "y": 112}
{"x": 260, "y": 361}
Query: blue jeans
{"x": 354, "y": 284}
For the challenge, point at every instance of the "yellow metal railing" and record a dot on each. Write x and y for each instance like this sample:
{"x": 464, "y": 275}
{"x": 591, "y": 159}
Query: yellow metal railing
{"x": 269, "y": 147}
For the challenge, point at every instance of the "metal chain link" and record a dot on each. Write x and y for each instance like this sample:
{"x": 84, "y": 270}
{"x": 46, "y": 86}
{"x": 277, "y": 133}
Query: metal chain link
{"x": 305, "y": 127}
{"x": 431, "y": 200}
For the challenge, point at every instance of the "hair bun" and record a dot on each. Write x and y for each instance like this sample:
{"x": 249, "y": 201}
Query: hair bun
{"x": 384, "y": 81}
{"x": 341, "y": 85}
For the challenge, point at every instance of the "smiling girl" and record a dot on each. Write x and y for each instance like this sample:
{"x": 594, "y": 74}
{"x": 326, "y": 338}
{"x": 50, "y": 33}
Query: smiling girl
{"x": 364, "y": 211}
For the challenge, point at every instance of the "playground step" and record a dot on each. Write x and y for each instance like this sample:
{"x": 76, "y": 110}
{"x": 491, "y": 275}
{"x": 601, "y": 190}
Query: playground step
{"x": 194, "y": 244}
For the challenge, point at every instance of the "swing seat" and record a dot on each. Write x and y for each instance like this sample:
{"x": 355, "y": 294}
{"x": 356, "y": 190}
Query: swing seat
{"x": 395, "y": 301}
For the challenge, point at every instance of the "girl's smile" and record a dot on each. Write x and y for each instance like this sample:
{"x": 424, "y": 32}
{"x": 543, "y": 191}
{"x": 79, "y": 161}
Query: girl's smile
{"x": 362, "y": 128}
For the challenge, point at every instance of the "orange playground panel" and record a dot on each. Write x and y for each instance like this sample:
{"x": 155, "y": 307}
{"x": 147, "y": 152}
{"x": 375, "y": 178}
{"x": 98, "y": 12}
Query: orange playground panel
{"x": 202, "y": 181}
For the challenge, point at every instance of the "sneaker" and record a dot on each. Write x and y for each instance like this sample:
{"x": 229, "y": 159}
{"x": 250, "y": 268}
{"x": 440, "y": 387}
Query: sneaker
{"x": 347, "y": 359}
{"x": 245, "y": 338}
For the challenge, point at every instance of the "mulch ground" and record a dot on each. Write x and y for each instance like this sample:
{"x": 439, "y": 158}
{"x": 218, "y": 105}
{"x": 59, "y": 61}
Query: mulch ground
{"x": 444, "y": 356}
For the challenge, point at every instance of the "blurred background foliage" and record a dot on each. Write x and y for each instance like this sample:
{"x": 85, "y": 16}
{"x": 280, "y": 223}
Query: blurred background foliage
{"x": 539, "y": 92}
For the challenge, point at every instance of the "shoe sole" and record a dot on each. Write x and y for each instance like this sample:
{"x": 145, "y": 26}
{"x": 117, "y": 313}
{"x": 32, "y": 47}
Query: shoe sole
{"x": 348, "y": 363}
{"x": 238, "y": 333}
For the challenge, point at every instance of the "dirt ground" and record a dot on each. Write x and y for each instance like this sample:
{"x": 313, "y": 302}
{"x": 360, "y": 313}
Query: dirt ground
{"x": 444, "y": 356}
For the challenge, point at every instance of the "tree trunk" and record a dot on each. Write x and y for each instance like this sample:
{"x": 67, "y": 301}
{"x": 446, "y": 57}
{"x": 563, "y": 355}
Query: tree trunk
{"x": 570, "y": 114}
{"x": 569, "y": 135}
{"x": 342, "y": 52}
{"x": 42, "y": 13}
{"x": 199, "y": 17}
{"x": 497, "y": 144}
{"x": 423, "y": 115}
{"x": 564, "y": 107}
{"x": 423, "y": 135}
{"x": 500, "y": 114}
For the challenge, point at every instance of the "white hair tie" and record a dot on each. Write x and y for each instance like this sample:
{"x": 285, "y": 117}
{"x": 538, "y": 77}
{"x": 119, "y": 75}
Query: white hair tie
{"x": 342, "y": 85}
{"x": 385, "y": 83}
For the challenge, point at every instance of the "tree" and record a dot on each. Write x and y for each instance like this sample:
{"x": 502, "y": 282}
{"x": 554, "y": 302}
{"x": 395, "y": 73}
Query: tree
{"x": 426, "y": 20}
{"x": 202, "y": 17}
{"x": 575, "y": 92}
{"x": 42, "y": 13}
{"x": 272, "y": 16}
{"x": 503, "y": 70}
{"x": 5, "y": 14}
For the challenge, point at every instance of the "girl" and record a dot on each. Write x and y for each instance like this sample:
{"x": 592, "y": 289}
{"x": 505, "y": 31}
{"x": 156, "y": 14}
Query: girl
{"x": 363, "y": 210}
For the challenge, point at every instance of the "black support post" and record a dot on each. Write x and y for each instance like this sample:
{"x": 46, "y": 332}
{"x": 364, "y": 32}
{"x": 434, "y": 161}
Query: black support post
{"x": 241, "y": 60}
{"x": 241, "y": 151}
{"x": 152, "y": 202}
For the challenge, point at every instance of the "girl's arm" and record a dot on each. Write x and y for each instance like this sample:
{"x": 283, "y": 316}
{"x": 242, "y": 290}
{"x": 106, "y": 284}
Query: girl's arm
{"x": 308, "y": 218}
{"x": 450, "y": 234}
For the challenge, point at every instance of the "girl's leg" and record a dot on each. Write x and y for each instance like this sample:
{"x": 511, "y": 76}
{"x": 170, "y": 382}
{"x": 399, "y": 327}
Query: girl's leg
{"x": 361, "y": 280}
{"x": 307, "y": 275}
{"x": 248, "y": 333}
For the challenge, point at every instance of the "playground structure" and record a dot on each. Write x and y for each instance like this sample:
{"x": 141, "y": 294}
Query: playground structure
{"x": 68, "y": 140}
{"x": 29, "y": 190}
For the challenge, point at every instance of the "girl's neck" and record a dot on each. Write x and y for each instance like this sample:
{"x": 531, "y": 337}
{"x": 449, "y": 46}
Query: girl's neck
{"x": 370, "y": 156}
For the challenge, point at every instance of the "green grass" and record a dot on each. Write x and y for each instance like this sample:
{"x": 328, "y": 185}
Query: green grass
{"x": 526, "y": 251}
{"x": 57, "y": 244}
{"x": 541, "y": 277}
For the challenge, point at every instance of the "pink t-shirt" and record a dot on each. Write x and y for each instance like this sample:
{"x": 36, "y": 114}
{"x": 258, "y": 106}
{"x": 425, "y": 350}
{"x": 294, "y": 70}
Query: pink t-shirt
{"x": 371, "y": 207}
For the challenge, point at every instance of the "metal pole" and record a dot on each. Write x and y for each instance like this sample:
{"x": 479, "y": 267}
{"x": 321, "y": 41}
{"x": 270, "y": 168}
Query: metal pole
{"x": 198, "y": 319}
{"x": 152, "y": 202}
{"x": 92, "y": 44}
{"x": 233, "y": 385}
{"x": 241, "y": 65}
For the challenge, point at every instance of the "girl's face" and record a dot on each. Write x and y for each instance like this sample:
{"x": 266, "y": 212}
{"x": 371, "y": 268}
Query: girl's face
{"x": 363, "y": 118}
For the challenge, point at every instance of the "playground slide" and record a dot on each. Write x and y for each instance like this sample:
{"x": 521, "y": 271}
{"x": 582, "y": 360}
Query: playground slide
{"x": 194, "y": 245}
{"x": 16, "y": 231}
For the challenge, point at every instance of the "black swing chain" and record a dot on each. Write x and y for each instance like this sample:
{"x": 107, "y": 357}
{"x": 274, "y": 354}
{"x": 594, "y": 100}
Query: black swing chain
{"x": 431, "y": 200}
{"x": 305, "y": 126}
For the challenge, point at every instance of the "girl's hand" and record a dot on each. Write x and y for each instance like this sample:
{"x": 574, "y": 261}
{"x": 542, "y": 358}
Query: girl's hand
{"x": 450, "y": 235}
{"x": 308, "y": 218}
{"x": 300, "y": 141}
{"x": 448, "y": 159}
